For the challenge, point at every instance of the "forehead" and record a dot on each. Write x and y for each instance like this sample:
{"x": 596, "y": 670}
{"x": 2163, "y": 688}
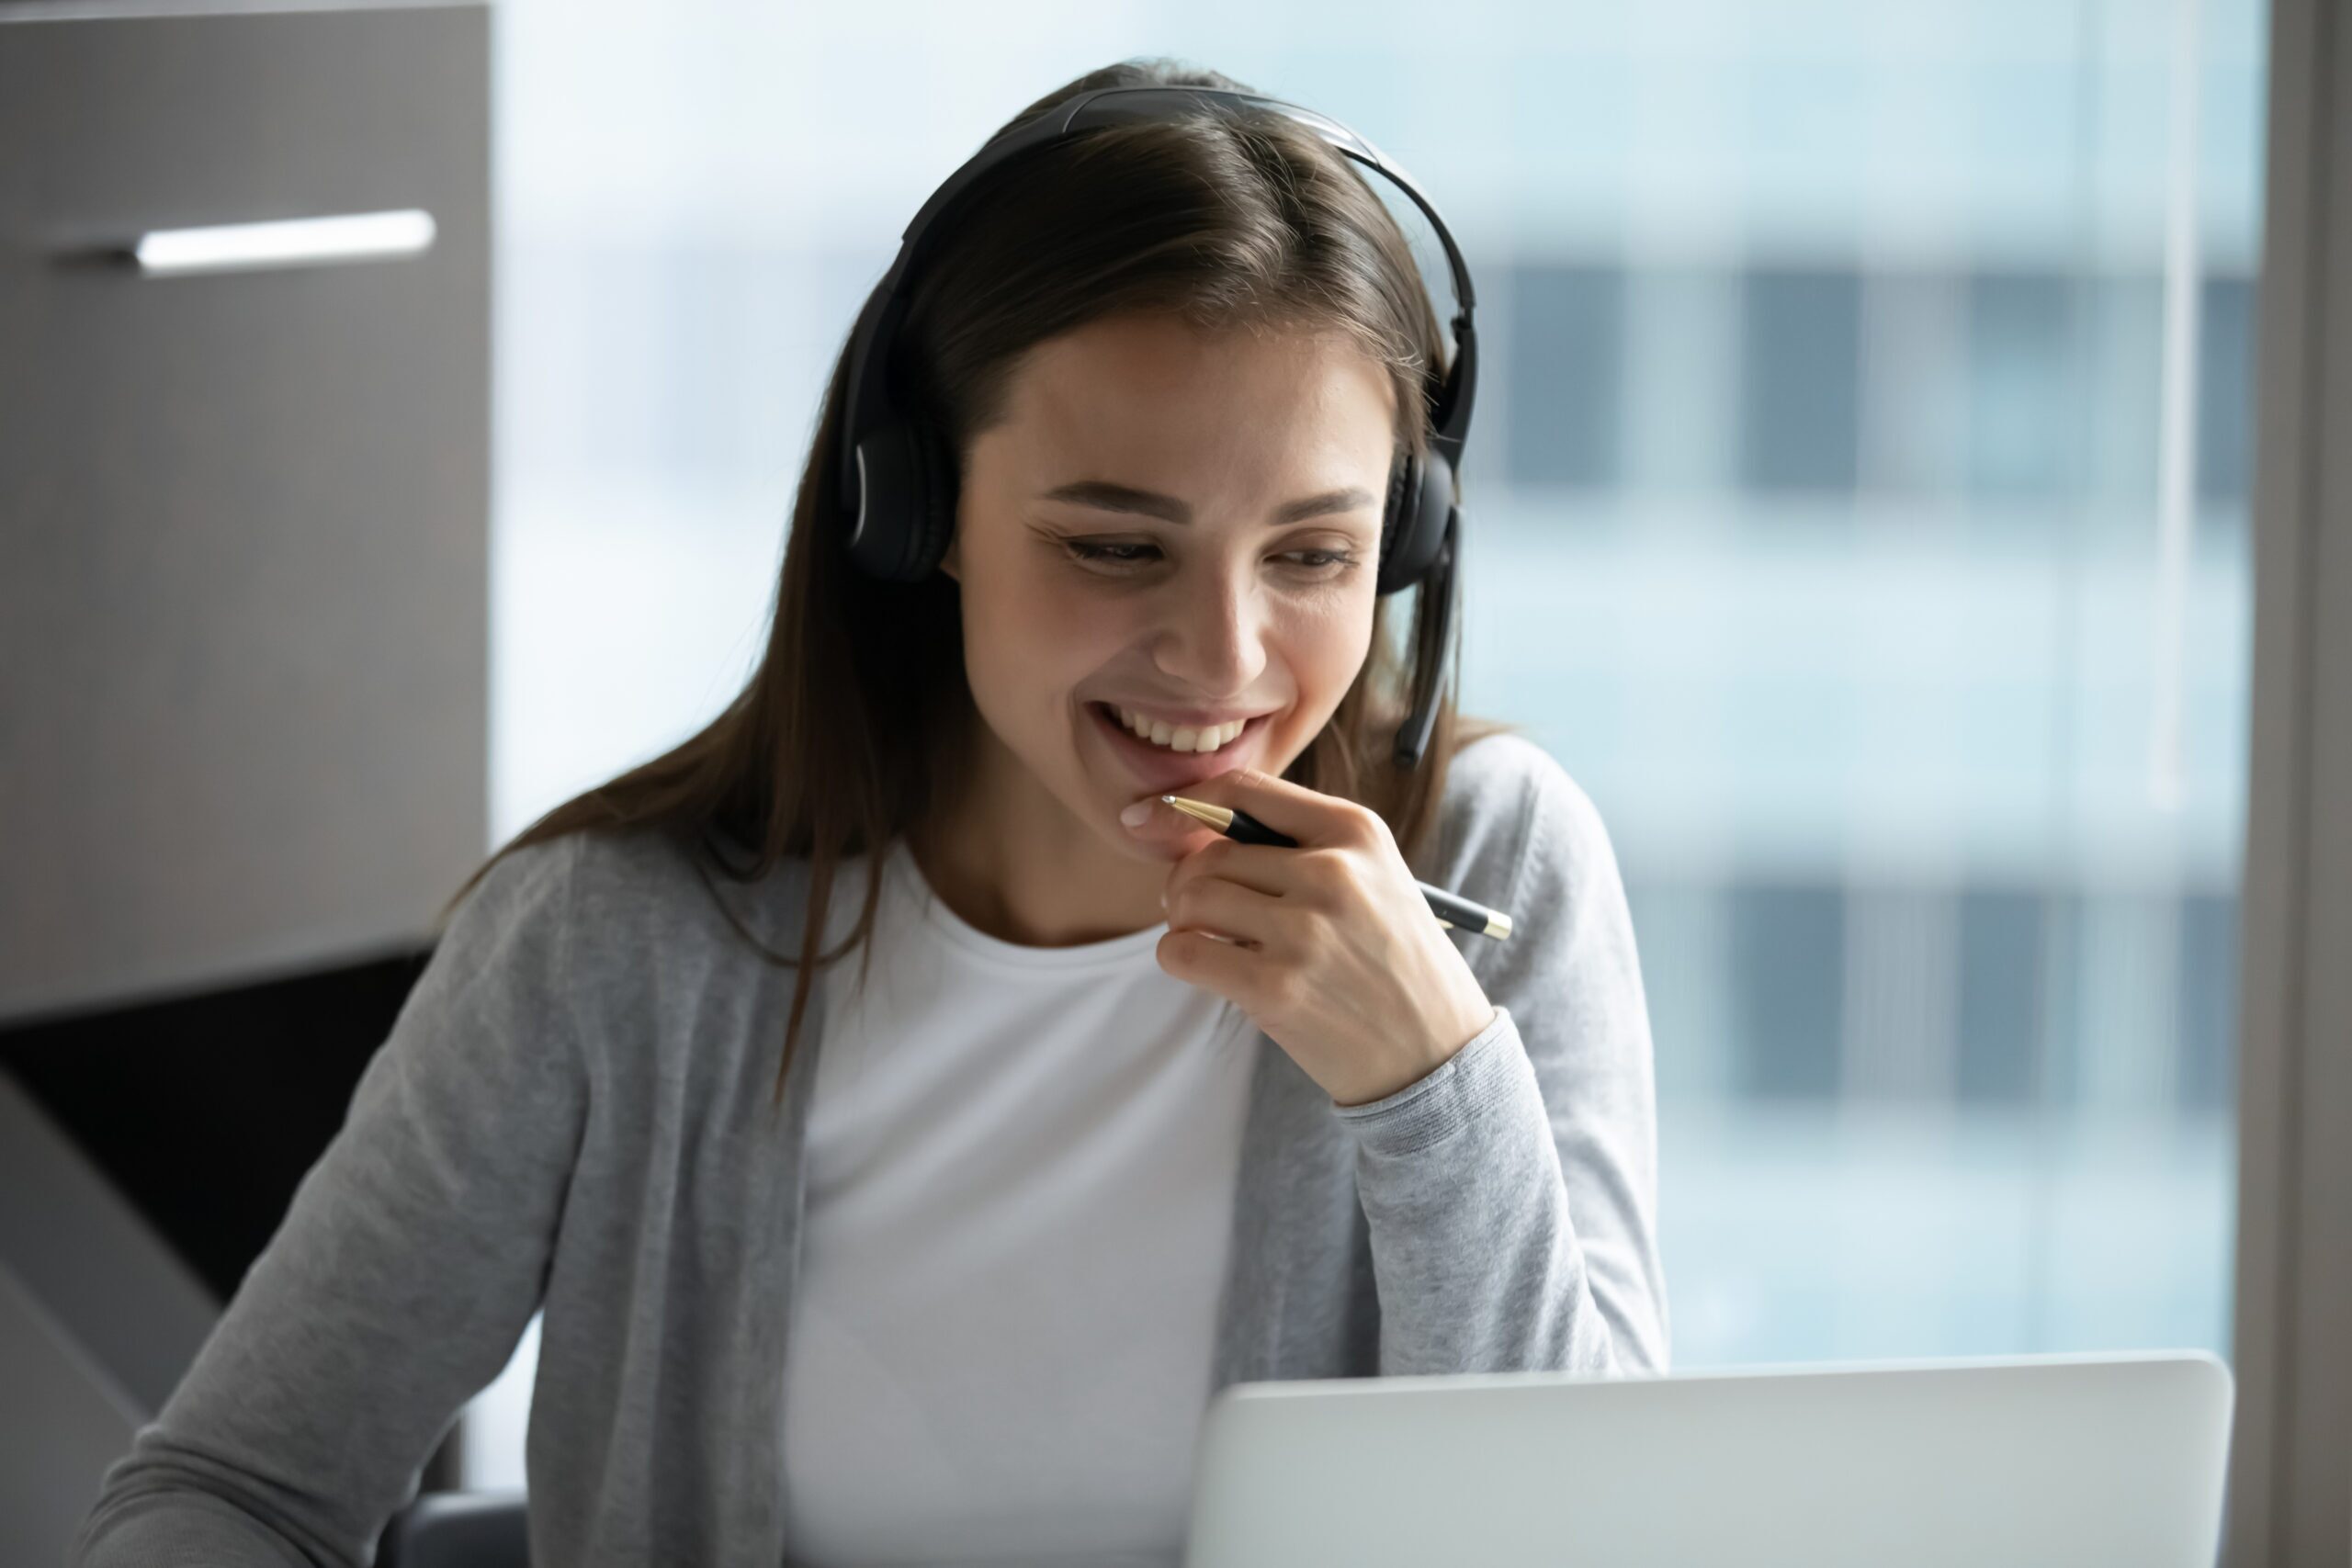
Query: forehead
{"x": 1135, "y": 398}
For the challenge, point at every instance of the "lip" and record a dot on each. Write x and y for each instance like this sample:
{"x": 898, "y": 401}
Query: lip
{"x": 1186, "y": 717}
{"x": 1164, "y": 770}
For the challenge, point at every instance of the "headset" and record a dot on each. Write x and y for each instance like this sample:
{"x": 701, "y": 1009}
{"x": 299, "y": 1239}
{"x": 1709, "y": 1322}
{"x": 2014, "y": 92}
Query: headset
{"x": 898, "y": 475}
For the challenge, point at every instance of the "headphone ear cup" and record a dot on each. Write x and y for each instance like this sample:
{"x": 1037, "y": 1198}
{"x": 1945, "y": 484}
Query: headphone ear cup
{"x": 1397, "y": 519}
{"x": 889, "y": 482}
{"x": 935, "y": 513}
{"x": 1421, "y": 499}
{"x": 907, "y": 495}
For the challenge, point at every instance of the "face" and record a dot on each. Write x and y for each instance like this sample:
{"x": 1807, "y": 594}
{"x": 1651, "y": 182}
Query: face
{"x": 1181, "y": 525}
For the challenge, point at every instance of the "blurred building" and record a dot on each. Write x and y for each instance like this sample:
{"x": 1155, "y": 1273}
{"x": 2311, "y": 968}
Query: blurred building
{"x": 1816, "y": 524}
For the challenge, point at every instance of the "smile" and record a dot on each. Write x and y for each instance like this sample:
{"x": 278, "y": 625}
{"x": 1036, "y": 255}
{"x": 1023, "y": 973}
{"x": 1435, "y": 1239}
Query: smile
{"x": 1163, "y": 768}
{"x": 1177, "y": 738}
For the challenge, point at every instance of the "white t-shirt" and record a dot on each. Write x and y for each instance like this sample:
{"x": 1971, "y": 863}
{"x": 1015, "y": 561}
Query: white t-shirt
{"x": 1021, "y": 1175}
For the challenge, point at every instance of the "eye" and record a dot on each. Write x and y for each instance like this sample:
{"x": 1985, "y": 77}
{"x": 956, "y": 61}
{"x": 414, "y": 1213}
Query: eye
{"x": 1323, "y": 563}
{"x": 1110, "y": 553}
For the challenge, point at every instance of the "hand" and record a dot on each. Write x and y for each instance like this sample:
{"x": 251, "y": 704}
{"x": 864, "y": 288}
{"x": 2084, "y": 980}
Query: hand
{"x": 1330, "y": 948}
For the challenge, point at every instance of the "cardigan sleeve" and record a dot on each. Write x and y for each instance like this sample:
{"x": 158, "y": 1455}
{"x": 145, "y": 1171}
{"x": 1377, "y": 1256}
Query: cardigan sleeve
{"x": 399, "y": 1281}
{"x": 1511, "y": 1191}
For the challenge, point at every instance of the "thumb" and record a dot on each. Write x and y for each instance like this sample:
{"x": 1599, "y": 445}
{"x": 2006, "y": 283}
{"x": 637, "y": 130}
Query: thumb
{"x": 1150, "y": 820}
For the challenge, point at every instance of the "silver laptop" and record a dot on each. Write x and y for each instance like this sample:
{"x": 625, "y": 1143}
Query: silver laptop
{"x": 2074, "y": 1461}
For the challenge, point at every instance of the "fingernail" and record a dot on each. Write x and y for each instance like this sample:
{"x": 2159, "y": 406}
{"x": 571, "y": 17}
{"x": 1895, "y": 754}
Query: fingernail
{"x": 1134, "y": 816}
{"x": 1163, "y": 897}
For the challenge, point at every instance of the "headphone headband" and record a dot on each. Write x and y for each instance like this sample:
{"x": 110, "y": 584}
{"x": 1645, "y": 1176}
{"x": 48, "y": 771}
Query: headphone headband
{"x": 868, "y": 401}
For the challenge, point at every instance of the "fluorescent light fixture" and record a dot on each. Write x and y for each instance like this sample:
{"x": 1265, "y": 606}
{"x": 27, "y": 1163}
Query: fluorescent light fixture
{"x": 297, "y": 242}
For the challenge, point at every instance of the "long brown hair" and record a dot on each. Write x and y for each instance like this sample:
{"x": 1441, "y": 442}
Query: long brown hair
{"x": 860, "y": 710}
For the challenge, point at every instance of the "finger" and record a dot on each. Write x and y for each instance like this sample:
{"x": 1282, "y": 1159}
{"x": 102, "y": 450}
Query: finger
{"x": 1233, "y": 972}
{"x": 1163, "y": 827}
{"x": 1268, "y": 868}
{"x": 1308, "y": 816}
{"x": 1211, "y": 903}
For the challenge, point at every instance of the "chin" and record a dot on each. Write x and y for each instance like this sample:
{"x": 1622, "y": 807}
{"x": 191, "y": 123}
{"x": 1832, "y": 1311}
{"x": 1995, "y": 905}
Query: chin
{"x": 1158, "y": 851}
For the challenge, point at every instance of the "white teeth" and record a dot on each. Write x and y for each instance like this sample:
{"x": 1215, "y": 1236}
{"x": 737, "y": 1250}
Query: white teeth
{"x": 1180, "y": 739}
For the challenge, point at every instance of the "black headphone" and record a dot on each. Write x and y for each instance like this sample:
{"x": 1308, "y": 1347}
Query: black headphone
{"x": 898, "y": 476}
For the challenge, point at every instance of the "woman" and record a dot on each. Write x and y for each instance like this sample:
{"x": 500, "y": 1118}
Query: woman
{"x": 1113, "y": 1111}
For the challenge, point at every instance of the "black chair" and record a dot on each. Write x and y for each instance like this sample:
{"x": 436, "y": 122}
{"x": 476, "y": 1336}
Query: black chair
{"x": 458, "y": 1529}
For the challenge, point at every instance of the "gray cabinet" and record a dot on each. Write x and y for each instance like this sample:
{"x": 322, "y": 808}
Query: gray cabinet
{"x": 243, "y": 608}
{"x": 243, "y": 514}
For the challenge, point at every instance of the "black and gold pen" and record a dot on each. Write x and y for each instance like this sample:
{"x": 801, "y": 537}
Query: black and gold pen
{"x": 1449, "y": 908}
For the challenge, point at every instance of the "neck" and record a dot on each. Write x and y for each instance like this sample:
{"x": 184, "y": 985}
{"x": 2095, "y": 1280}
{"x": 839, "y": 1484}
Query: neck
{"x": 1009, "y": 859}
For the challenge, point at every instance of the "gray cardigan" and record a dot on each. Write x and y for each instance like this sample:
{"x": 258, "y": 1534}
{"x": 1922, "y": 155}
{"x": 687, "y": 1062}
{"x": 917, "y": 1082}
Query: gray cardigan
{"x": 572, "y": 1112}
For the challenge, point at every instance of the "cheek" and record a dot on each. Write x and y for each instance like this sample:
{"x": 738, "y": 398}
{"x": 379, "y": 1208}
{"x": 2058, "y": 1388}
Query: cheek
{"x": 1327, "y": 643}
{"x": 1034, "y": 631}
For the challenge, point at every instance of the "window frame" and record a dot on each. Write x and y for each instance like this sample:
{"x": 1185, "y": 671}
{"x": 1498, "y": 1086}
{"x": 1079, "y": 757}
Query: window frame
{"x": 2291, "y": 1466}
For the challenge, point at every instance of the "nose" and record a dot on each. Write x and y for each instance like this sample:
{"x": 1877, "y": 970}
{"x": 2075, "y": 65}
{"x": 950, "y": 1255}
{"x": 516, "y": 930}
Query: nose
{"x": 1211, "y": 638}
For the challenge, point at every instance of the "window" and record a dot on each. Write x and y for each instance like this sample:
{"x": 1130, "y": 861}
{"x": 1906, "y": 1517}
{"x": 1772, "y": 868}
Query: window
{"x": 1566, "y": 342}
{"x": 2024, "y": 394}
{"x": 2002, "y": 977}
{"x": 1787, "y": 944}
{"x": 1801, "y": 379}
{"x": 1813, "y": 491}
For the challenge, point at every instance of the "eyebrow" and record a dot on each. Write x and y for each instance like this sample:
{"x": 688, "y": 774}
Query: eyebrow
{"x": 1101, "y": 495}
